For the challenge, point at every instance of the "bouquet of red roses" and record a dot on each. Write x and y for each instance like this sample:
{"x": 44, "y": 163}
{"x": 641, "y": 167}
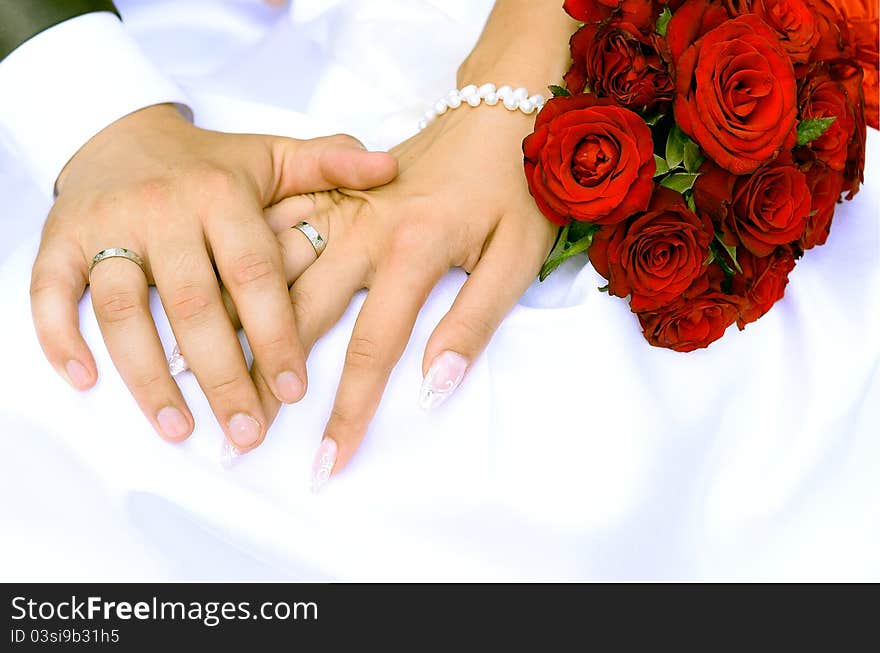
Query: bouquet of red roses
{"x": 697, "y": 150}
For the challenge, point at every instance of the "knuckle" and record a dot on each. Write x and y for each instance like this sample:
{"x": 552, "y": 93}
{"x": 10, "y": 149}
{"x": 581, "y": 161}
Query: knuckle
{"x": 343, "y": 422}
{"x": 250, "y": 268}
{"x": 474, "y": 326}
{"x": 218, "y": 181}
{"x": 117, "y": 306}
{"x": 303, "y": 302}
{"x": 409, "y": 238}
{"x": 148, "y": 381}
{"x": 344, "y": 139}
{"x": 223, "y": 386}
{"x": 154, "y": 192}
{"x": 363, "y": 353}
{"x": 189, "y": 303}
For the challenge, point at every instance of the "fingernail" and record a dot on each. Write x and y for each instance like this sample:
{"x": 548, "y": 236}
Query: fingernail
{"x": 176, "y": 362}
{"x": 443, "y": 377}
{"x": 172, "y": 422}
{"x": 244, "y": 430}
{"x": 229, "y": 455}
{"x": 77, "y": 374}
{"x": 322, "y": 467}
{"x": 290, "y": 387}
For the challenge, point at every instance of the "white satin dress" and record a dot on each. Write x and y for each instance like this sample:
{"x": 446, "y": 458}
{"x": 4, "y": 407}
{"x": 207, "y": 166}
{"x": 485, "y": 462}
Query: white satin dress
{"x": 573, "y": 450}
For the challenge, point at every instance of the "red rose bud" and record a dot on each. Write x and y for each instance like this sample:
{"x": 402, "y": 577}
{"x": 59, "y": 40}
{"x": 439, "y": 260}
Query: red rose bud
{"x": 792, "y": 20}
{"x": 642, "y": 13}
{"x": 689, "y": 324}
{"x": 762, "y": 282}
{"x": 655, "y": 256}
{"x": 735, "y": 94}
{"x": 620, "y": 62}
{"x": 825, "y": 185}
{"x": 589, "y": 160}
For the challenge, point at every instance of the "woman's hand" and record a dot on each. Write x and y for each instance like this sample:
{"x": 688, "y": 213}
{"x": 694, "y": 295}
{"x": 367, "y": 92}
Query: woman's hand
{"x": 460, "y": 200}
{"x": 184, "y": 199}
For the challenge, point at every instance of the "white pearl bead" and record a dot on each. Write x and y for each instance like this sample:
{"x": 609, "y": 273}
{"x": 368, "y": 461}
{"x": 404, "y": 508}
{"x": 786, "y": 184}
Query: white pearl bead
{"x": 538, "y": 100}
{"x": 474, "y": 100}
{"x": 492, "y": 99}
{"x": 422, "y": 124}
{"x": 441, "y": 107}
{"x": 469, "y": 90}
{"x": 430, "y": 114}
{"x": 510, "y": 103}
{"x": 453, "y": 102}
{"x": 486, "y": 89}
{"x": 520, "y": 94}
{"x": 505, "y": 91}
{"x": 526, "y": 106}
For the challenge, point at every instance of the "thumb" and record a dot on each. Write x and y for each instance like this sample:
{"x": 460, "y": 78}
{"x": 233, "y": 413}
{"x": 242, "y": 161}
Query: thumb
{"x": 341, "y": 161}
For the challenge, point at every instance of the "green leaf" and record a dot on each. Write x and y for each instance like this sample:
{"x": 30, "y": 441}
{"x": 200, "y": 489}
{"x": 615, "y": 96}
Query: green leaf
{"x": 812, "y": 128}
{"x": 710, "y": 258}
{"x": 604, "y": 288}
{"x": 692, "y": 157}
{"x": 675, "y": 146}
{"x": 558, "y": 91}
{"x": 731, "y": 252}
{"x": 680, "y": 181}
{"x": 691, "y": 202}
{"x": 662, "y": 166}
{"x": 564, "y": 250}
{"x": 653, "y": 120}
{"x": 663, "y": 21}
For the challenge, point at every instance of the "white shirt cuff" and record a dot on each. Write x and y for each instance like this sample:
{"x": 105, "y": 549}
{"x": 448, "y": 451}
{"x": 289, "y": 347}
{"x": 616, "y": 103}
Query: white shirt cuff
{"x": 69, "y": 82}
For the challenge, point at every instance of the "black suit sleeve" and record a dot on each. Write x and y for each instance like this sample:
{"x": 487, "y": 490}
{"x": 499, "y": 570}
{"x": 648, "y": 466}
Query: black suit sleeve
{"x": 22, "y": 19}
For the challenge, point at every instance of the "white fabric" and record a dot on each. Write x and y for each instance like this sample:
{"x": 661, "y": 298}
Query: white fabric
{"x": 67, "y": 83}
{"x": 572, "y": 451}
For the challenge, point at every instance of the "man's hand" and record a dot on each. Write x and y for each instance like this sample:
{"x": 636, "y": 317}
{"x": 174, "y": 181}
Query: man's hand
{"x": 185, "y": 200}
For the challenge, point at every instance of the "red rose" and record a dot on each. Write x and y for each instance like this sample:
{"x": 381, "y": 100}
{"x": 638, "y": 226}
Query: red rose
{"x": 641, "y": 13}
{"x": 689, "y": 324}
{"x": 735, "y": 94}
{"x": 833, "y": 32}
{"x": 863, "y": 26}
{"x": 850, "y": 75}
{"x": 792, "y": 20}
{"x": 825, "y": 185}
{"x": 762, "y": 210}
{"x": 589, "y": 160}
{"x": 693, "y": 19}
{"x": 620, "y": 62}
{"x": 655, "y": 256}
{"x": 762, "y": 282}
{"x": 822, "y": 97}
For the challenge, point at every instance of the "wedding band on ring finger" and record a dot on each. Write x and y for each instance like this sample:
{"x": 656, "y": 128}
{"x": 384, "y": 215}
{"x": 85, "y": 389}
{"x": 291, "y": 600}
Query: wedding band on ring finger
{"x": 298, "y": 251}
{"x": 315, "y": 238}
{"x": 116, "y": 252}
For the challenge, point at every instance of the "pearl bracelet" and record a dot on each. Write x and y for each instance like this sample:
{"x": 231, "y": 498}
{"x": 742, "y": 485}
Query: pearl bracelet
{"x": 512, "y": 99}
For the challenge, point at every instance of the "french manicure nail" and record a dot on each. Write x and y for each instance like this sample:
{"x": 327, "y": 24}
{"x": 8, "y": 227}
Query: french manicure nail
{"x": 176, "y": 362}
{"x": 322, "y": 467}
{"x": 172, "y": 422}
{"x": 243, "y": 430}
{"x": 77, "y": 374}
{"x": 290, "y": 387}
{"x": 443, "y": 377}
{"x": 229, "y": 454}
